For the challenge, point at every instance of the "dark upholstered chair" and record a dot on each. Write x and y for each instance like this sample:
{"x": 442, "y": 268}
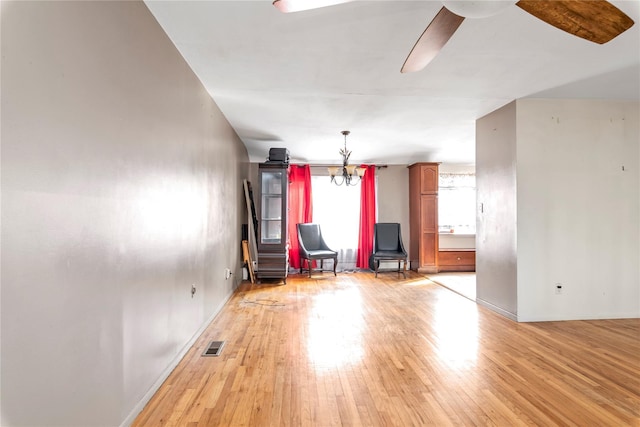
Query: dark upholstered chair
{"x": 387, "y": 246}
{"x": 313, "y": 247}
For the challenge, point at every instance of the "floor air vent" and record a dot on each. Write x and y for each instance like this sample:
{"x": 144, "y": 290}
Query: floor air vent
{"x": 214, "y": 348}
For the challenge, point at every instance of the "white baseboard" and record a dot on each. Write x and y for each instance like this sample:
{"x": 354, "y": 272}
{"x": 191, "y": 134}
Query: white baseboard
{"x": 579, "y": 316}
{"x": 172, "y": 365}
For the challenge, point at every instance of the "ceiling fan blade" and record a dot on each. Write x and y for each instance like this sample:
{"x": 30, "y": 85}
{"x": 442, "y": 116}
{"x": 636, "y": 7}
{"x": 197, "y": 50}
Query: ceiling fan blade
{"x": 595, "y": 20}
{"x": 437, "y": 34}
{"x": 287, "y": 6}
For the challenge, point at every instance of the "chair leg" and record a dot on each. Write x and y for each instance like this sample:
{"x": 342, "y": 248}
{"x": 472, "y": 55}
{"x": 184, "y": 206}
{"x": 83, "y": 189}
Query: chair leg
{"x": 322, "y": 264}
{"x": 403, "y": 269}
{"x": 310, "y": 264}
{"x": 335, "y": 264}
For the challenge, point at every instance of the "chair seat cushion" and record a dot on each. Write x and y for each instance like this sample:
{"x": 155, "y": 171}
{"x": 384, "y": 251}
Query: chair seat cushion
{"x": 321, "y": 253}
{"x": 389, "y": 255}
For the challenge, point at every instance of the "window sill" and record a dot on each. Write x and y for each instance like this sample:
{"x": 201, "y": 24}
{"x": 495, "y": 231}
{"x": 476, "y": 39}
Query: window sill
{"x": 456, "y": 249}
{"x": 457, "y": 234}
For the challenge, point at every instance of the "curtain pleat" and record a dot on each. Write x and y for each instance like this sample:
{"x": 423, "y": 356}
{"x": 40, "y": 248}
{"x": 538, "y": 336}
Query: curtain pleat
{"x": 367, "y": 216}
{"x": 300, "y": 207}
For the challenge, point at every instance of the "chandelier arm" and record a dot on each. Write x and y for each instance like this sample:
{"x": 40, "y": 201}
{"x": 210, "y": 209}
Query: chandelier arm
{"x": 337, "y": 182}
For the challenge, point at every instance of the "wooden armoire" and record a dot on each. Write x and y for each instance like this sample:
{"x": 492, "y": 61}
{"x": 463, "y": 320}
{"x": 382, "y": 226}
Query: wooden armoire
{"x": 423, "y": 217}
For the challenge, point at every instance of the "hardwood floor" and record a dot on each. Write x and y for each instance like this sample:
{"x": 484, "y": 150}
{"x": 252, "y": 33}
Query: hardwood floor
{"x": 463, "y": 283}
{"x": 355, "y": 350}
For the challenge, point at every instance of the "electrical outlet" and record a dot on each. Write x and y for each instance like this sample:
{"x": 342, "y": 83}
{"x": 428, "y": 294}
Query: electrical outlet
{"x": 227, "y": 273}
{"x": 193, "y": 290}
{"x": 558, "y": 288}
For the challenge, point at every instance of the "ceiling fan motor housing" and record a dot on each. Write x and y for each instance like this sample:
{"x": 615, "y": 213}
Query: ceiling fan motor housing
{"x": 477, "y": 8}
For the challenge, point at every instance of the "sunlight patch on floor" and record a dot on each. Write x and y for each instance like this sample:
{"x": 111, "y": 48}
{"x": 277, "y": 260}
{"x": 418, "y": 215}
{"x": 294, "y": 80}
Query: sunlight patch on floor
{"x": 335, "y": 327}
{"x": 462, "y": 283}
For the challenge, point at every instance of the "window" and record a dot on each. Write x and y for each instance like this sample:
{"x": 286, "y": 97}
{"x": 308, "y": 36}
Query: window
{"x": 337, "y": 210}
{"x": 457, "y": 203}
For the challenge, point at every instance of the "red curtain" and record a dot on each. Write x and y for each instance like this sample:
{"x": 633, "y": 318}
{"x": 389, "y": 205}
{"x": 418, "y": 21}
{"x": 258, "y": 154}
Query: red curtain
{"x": 300, "y": 207}
{"x": 367, "y": 216}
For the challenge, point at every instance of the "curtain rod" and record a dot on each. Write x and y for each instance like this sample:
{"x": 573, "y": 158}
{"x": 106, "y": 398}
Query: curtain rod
{"x": 327, "y": 165}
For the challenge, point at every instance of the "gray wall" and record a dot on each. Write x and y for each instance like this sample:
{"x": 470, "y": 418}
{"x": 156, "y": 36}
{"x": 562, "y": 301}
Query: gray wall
{"x": 496, "y": 285}
{"x": 393, "y": 194}
{"x": 121, "y": 188}
{"x": 393, "y": 198}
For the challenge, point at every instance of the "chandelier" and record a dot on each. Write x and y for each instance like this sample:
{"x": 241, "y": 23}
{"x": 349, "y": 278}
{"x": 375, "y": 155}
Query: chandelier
{"x": 350, "y": 174}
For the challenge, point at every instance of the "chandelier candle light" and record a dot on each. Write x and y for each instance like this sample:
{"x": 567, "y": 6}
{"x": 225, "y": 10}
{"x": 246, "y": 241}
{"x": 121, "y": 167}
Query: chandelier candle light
{"x": 349, "y": 172}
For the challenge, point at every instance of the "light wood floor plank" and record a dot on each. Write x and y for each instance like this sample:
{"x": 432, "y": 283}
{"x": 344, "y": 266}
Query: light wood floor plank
{"x": 353, "y": 350}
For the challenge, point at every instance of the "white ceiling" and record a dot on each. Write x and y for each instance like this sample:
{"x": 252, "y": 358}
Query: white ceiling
{"x": 296, "y": 80}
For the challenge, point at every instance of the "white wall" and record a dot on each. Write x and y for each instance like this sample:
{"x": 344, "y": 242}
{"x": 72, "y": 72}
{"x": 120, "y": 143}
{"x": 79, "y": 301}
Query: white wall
{"x": 549, "y": 174}
{"x": 121, "y": 187}
{"x": 578, "y": 211}
{"x": 456, "y": 168}
{"x": 496, "y": 249}
{"x": 456, "y": 241}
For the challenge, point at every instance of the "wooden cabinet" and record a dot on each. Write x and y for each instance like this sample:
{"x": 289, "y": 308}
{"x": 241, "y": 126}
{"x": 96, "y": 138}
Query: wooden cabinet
{"x": 423, "y": 217}
{"x": 429, "y": 178}
{"x": 273, "y": 253}
{"x": 457, "y": 260}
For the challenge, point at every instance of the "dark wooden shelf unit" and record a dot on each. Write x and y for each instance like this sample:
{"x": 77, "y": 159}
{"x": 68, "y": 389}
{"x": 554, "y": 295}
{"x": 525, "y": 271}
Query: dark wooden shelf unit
{"x": 273, "y": 251}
